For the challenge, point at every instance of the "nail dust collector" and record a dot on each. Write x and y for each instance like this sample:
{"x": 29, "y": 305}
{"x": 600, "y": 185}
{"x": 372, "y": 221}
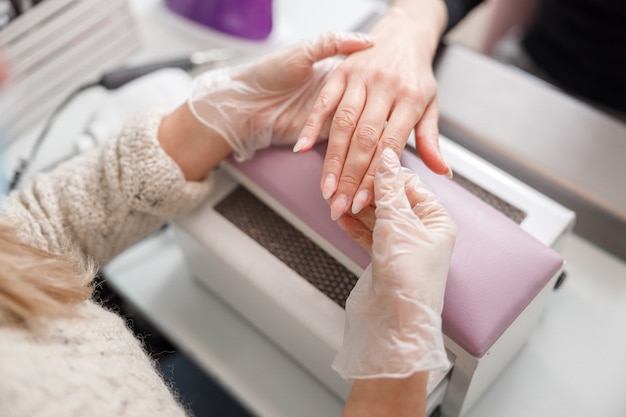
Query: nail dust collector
{"x": 264, "y": 242}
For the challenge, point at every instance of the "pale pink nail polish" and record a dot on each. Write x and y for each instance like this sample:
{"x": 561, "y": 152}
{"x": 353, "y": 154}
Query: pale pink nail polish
{"x": 360, "y": 200}
{"x": 338, "y": 207}
{"x": 300, "y": 144}
{"x": 329, "y": 187}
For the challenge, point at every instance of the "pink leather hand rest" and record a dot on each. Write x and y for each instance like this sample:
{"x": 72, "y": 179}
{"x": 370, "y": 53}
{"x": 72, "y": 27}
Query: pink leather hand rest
{"x": 496, "y": 269}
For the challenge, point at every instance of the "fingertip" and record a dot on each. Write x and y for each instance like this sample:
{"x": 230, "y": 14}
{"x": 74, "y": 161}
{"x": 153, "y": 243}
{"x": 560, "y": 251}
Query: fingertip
{"x": 430, "y": 153}
{"x": 389, "y": 163}
{"x": 345, "y": 42}
{"x": 388, "y": 181}
{"x": 439, "y": 166}
{"x": 427, "y": 142}
{"x": 329, "y": 186}
{"x": 347, "y": 224}
{"x": 301, "y": 144}
{"x": 361, "y": 200}
{"x": 361, "y": 37}
{"x": 309, "y": 135}
{"x": 365, "y": 38}
{"x": 338, "y": 206}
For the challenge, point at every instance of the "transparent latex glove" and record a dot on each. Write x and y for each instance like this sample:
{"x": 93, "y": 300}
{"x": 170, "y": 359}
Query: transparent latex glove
{"x": 393, "y": 314}
{"x": 267, "y": 102}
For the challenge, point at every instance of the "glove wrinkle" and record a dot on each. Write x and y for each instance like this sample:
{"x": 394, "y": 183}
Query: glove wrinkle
{"x": 393, "y": 314}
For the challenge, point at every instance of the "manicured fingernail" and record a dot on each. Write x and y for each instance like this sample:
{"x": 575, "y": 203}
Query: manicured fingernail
{"x": 449, "y": 174}
{"x": 338, "y": 207}
{"x": 329, "y": 187}
{"x": 300, "y": 144}
{"x": 360, "y": 200}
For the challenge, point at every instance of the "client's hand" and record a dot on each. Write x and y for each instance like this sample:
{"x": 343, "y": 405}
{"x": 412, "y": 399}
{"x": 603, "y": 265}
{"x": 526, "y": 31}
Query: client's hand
{"x": 267, "y": 102}
{"x": 393, "y": 322}
{"x": 375, "y": 98}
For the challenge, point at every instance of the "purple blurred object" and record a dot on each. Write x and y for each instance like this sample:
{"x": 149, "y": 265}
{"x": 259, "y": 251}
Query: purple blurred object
{"x": 248, "y": 19}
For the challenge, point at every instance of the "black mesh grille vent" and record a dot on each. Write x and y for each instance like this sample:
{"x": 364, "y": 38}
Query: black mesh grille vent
{"x": 493, "y": 200}
{"x": 288, "y": 244}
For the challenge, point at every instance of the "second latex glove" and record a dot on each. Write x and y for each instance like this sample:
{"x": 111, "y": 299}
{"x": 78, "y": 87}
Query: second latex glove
{"x": 393, "y": 314}
{"x": 267, "y": 102}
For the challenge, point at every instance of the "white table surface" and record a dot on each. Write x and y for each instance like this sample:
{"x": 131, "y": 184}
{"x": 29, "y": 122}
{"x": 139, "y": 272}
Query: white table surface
{"x": 573, "y": 365}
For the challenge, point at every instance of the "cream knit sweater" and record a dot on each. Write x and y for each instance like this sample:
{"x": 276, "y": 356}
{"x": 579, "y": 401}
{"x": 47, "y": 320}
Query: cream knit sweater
{"x": 101, "y": 203}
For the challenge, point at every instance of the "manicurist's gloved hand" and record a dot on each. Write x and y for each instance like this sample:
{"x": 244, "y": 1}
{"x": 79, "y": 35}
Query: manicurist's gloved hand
{"x": 393, "y": 314}
{"x": 267, "y": 102}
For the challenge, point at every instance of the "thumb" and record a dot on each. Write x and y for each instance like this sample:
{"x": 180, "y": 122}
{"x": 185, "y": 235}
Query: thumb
{"x": 389, "y": 185}
{"x": 335, "y": 43}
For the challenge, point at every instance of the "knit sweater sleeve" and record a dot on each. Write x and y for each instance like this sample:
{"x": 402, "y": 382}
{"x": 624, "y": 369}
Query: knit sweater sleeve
{"x": 104, "y": 201}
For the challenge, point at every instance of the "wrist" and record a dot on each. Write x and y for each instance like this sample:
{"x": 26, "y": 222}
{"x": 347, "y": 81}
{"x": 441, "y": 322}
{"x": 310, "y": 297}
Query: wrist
{"x": 223, "y": 101}
{"x": 426, "y": 20}
{"x": 388, "y": 396}
{"x": 194, "y": 147}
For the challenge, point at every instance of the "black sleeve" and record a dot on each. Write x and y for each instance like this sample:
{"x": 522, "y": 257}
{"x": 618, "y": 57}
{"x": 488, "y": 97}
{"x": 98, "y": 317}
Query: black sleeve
{"x": 458, "y": 9}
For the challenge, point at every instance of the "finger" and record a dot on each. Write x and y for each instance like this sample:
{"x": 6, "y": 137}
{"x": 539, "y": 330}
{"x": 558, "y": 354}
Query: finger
{"x": 367, "y": 216}
{"x": 428, "y": 207}
{"x": 389, "y": 187}
{"x": 341, "y": 130}
{"x": 427, "y": 141}
{"x": 324, "y": 106}
{"x": 416, "y": 191}
{"x": 294, "y": 65}
{"x": 394, "y": 136}
{"x": 357, "y": 231}
{"x": 413, "y": 188}
{"x": 424, "y": 202}
{"x": 362, "y": 148}
{"x": 334, "y": 43}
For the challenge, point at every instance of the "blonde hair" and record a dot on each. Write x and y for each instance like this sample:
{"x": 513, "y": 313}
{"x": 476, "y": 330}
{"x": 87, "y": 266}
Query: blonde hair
{"x": 35, "y": 284}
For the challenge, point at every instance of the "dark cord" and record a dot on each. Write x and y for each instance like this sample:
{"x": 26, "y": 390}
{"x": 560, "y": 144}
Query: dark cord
{"x": 25, "y": 163}
{"x": 110, "y": 80}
